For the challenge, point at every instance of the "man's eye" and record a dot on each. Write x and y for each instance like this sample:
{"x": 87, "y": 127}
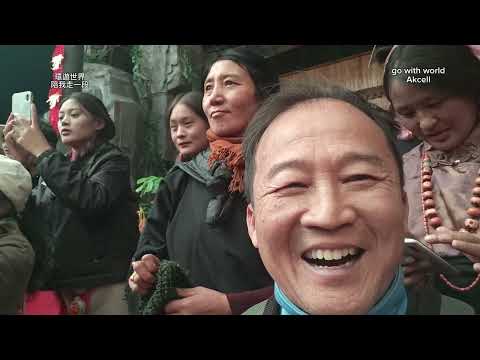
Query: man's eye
{"x": 229, "y": 83}
{"x": 294, "y": 185}
{"x": 359, "y": 177}
{"x": 207, "y": 87}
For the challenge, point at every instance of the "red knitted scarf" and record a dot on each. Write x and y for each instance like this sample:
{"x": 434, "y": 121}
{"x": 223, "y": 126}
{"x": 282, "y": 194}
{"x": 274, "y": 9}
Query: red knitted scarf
{"x": 228, "y": 150}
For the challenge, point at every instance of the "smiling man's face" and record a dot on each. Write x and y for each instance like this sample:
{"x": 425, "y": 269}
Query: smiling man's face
{"x": 329, "y": 214}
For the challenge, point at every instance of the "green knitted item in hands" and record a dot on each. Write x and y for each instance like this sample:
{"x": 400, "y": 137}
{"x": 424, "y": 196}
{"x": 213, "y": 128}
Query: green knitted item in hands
{"x": 170, "y": 276}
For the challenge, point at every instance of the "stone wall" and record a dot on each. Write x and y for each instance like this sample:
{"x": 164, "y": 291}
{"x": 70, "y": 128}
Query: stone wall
{"x": 163, "y": 72}
{"x": 115, "y": 88}
{"x": 137, "y": 91}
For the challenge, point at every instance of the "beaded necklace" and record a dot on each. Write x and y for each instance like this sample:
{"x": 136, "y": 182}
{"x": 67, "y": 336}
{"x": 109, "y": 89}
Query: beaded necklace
{"x": 431, "y": 216}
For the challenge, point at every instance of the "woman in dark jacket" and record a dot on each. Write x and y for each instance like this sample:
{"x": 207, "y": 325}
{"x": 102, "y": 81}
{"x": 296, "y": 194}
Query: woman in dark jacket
{"x": 198, "y": 219}
{"x": 81, "y": 217}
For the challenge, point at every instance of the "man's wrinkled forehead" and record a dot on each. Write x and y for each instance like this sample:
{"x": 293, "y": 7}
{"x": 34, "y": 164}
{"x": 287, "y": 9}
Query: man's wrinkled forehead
{"x": 325, "y": 117}
{"x": 332, "y": 125}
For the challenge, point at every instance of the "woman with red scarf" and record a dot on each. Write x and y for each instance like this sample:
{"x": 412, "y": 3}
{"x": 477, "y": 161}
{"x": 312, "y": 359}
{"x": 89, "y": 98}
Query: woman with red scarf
{"x": 198, "y": 219}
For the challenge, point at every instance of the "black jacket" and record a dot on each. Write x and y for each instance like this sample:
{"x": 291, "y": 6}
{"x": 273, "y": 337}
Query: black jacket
{"x": 81, "y": 220}
{"x": 196, "y": 223}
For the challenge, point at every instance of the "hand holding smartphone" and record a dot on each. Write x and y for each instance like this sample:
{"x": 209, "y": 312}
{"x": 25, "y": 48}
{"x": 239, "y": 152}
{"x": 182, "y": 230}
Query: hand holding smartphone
{"x": 22, "y": 104}
{"x": 24, "y": 125}
{"x": 418, "y": 249}
{"x": 21, "y": 112}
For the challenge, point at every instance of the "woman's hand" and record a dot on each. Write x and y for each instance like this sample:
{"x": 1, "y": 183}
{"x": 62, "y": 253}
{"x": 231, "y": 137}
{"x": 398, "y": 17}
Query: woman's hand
{"x": 466, "y": 242}
{"x": 143, "y": 277}
{"x": 26, "y": 134}
{"x": 199, "y": 301}
{"x": 416, "y": 270}
{"x": 15, "y": 151}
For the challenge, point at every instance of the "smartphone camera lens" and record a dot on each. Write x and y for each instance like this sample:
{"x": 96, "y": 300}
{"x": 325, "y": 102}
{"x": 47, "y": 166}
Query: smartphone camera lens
{"x": 27, "y": 97}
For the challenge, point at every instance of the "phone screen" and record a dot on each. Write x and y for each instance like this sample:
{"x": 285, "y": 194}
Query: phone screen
{"x": 418, "y": 249}
{"x": 22, "y": 104}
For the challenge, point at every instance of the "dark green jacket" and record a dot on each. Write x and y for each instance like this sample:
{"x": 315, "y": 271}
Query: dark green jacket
{"x": 16, "y": 264}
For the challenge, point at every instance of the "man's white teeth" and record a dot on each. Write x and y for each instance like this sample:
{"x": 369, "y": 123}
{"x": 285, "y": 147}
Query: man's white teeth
{"x": 353, "y": 251}
{"x": 327, "y": 254}
{"x": 330, "y": 254}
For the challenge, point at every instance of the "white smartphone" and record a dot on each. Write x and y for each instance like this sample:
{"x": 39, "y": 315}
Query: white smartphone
{"x": 22, "y": 104}
{"x": 419, "y": 249}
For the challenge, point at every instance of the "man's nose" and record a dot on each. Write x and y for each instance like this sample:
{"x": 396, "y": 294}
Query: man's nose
{"x": 328, "y": 210}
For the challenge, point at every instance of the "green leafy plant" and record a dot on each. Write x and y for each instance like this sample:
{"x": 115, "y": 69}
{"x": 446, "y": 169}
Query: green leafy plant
{"x": 147, "y": 187}
{"x": 137, "y": 57}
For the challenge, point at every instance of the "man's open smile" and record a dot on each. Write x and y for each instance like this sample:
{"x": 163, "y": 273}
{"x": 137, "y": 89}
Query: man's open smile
{"x": 332, "y": 258}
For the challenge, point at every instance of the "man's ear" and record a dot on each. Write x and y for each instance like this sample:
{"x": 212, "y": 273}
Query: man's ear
{"x": 251, "y": 224}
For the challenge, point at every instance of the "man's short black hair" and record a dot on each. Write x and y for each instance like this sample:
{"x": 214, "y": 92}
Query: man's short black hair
{"x": 300, "y": 93}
